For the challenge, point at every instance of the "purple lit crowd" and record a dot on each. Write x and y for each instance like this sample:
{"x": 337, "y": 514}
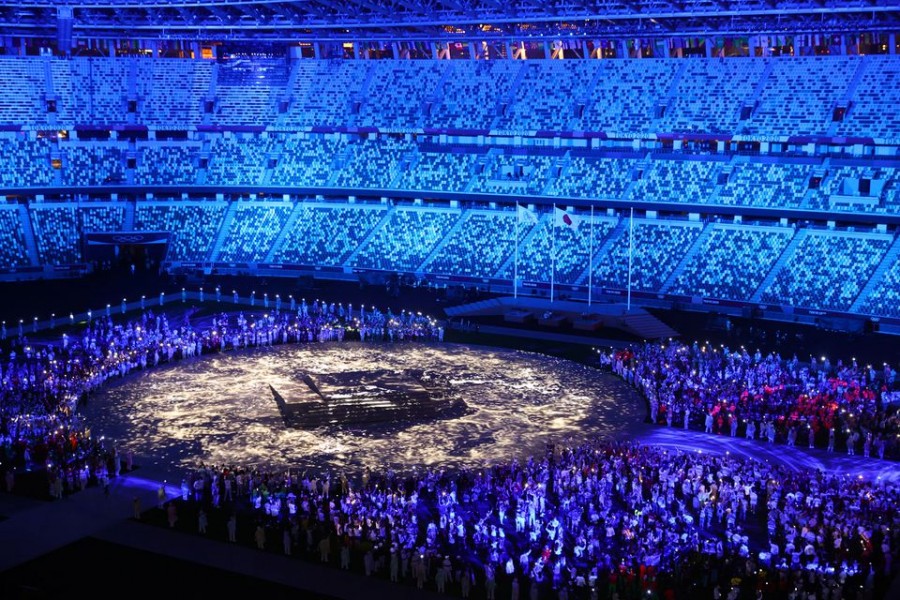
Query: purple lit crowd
{"x": 43, "y": 382}
{"x": 854, "y": 408}
{"x": 602, "y": 519}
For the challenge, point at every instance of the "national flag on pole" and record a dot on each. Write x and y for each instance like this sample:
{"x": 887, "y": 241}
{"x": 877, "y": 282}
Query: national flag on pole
{"x": 564, "y": 218}
{"x": 525, "y": 215}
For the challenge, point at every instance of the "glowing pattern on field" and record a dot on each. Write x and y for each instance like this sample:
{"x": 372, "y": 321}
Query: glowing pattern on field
{"x": 219, "y": 410}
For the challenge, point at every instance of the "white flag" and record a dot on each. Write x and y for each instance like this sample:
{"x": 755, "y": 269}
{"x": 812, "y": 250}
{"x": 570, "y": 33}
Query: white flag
{"x": 565, "y": 219}
{"x": 525, "y": 215}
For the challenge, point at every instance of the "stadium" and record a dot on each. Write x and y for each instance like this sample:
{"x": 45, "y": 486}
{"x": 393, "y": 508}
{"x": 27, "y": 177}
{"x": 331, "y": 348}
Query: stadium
{"x": 467, "y": 298}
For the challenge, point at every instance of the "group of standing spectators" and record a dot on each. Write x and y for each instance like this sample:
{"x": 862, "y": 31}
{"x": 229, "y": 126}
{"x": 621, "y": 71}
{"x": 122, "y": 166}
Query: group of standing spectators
{"x": 838, "y": 406}
{"x": 599, "y": 519}
{"x": 43, "y": 382}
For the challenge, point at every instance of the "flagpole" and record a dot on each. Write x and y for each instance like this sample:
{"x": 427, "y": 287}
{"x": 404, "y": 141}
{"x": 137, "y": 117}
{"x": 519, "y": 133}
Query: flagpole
{"x": 516, "y": 259}
{"x": 630, "y": 252}
{"x": 552, "y": 252}
{"x": 591, "y": 258}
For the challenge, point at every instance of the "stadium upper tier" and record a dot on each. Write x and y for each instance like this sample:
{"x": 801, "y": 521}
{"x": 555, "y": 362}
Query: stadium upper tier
{"x": 404, "y": 165}
{"x": 416, "y": 167}
{"x": 772, "y": 96}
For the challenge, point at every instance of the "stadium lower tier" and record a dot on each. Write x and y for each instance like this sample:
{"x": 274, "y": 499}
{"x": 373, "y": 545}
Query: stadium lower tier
{"x": 558, "y": 251}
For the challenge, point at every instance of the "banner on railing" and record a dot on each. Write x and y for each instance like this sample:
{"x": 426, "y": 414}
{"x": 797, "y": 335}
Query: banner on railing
{"x": 124, "y": 238}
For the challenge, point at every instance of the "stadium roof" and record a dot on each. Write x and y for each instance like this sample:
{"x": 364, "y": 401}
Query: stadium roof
{"x": 429, "y": 19}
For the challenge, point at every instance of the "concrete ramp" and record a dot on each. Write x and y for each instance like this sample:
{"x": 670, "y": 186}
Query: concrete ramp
{"x": 646, "y": 326}
{"x": 527, "y": 310}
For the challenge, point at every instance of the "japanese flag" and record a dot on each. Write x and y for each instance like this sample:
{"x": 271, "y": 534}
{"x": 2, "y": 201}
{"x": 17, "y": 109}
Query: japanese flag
{"x": 565, "y": 219}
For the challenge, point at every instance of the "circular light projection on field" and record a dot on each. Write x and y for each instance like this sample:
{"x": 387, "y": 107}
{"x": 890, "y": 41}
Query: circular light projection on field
{"x": 258, "y": 408}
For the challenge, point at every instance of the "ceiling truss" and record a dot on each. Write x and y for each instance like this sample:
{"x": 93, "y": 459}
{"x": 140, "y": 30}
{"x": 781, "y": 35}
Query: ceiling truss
{"x": 263, "y": 20}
